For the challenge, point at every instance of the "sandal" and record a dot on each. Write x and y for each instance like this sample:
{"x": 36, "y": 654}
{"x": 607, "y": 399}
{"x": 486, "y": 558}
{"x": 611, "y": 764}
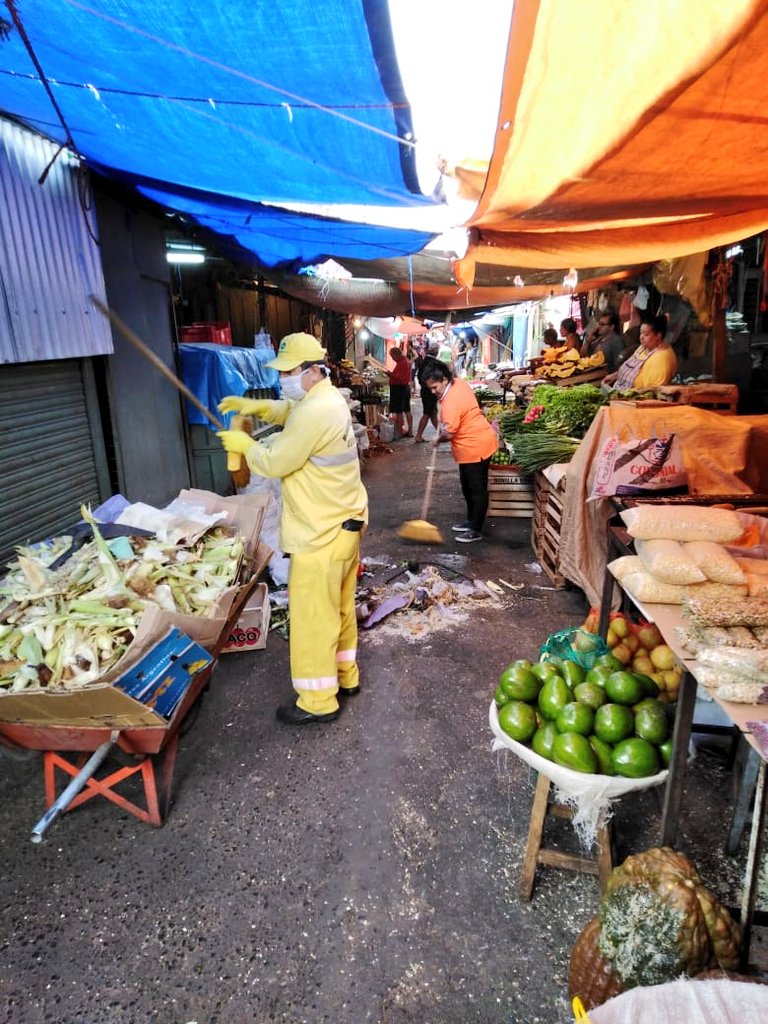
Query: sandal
{"x": 419, "y": 440}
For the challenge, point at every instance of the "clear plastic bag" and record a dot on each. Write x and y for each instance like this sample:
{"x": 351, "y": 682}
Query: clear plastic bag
{"x": 682, "y": 522}
{"x": 667, "y": 561}
{"x": 714, "y": 561}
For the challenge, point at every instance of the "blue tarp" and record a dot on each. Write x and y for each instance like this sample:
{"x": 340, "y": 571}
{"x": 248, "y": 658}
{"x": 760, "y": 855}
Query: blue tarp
{"x": 213, "y": 371}
{"x": 279, "y": 236}
{"x": 258, "y": 102}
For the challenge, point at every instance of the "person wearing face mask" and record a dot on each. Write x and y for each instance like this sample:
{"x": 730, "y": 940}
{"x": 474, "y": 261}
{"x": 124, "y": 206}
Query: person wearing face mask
{"x": 325, "y": 510}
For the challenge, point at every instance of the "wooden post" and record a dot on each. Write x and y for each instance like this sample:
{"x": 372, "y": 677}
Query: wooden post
{"x": 719, "y": 277}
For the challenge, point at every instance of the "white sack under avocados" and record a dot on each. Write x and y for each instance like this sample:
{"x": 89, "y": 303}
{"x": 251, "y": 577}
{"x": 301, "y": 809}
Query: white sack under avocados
{"x": 589, "y": 796}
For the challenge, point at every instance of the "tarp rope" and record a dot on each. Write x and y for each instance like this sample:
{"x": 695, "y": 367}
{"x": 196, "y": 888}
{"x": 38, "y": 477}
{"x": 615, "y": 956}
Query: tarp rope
{"x": 238, "y": 74}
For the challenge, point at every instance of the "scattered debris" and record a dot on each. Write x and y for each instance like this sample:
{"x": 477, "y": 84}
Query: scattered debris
{"x": 425, "y": 601}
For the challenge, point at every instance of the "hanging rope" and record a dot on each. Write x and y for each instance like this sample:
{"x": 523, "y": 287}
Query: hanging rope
{"x": 239, "y": 74}
{"x": 410, "y": 283}
{"x": 720, "y": 280}
{"x": 68, "y": 141}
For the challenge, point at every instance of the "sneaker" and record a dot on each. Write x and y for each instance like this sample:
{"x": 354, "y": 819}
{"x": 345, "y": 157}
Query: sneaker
{"x": 468, "y": 537}
{"x": 461, "y": 527}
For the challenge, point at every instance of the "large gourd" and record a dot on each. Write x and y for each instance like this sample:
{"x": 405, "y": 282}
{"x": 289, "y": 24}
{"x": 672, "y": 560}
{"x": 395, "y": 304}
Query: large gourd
{"x": 657, "y": 922}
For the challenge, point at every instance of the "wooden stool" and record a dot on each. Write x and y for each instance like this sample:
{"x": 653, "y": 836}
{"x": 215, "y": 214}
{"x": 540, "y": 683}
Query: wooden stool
{"x": 534, "y": 853}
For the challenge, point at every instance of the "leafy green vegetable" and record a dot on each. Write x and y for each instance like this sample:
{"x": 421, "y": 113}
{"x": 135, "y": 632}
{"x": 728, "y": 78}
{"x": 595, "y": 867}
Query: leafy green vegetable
{"x": 568, "y": 411}
{"x": 537, "y": 449}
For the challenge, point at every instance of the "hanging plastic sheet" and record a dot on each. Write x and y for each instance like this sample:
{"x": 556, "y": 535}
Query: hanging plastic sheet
{"x": 213, "y": 371}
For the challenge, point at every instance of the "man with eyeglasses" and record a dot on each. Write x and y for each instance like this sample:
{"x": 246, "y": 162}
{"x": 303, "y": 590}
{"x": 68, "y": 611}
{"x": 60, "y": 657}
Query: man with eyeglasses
{"x": 606, "y": 338}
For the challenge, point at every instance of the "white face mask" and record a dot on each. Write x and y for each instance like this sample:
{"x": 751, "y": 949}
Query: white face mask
{"x": 291, "y": 387}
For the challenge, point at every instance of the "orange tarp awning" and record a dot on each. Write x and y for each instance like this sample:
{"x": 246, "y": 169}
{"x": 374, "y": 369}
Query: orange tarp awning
{"x": 657, "y": 112}
{"x": 446, "y": 296}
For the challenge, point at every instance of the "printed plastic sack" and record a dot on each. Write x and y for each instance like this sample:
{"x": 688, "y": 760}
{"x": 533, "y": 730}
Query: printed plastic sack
{"x": 646, "y": 465}
{"x": 576, "y": 645}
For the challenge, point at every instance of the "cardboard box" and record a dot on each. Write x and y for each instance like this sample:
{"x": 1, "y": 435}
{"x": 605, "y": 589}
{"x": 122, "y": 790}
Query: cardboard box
{"x": 100, "y": 704}
{"x": 252, "y": 629}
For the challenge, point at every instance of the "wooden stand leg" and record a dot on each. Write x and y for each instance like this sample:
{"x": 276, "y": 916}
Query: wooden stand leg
{"x": 754, "y": 864}
{"x": 535, "y": 854}
{"x": 673, "y": 793}
{"x": 535, "y": 833}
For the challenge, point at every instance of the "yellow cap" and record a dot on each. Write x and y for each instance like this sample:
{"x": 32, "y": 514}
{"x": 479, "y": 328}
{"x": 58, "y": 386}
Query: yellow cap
{"x": 296, "y": 349}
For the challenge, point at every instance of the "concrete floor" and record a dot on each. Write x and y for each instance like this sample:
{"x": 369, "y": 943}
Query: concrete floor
{"x": 362, "y": 871}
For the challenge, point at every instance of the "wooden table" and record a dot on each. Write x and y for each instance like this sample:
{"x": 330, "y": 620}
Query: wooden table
{"x": 667, "y": 618}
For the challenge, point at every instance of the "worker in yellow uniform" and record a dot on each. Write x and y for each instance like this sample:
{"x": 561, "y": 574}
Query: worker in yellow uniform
{"x": 325, "y": 509}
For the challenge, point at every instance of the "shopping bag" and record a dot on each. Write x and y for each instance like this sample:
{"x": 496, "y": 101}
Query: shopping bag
{"x": 644, "y": 465}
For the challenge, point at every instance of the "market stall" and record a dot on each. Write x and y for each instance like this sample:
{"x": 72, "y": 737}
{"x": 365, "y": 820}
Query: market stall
{"x": 716, "y": 626}
{"x": 722, "y": 455}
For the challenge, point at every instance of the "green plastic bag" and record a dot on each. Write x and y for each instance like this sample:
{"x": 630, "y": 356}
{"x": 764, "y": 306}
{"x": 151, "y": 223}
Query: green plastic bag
{"x": 577, "y": 645}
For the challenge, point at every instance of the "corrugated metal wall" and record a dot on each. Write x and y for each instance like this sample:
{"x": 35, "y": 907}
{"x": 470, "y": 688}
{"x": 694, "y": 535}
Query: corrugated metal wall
{"x": 49, "y": 264}
{"x": 50, "y": 462}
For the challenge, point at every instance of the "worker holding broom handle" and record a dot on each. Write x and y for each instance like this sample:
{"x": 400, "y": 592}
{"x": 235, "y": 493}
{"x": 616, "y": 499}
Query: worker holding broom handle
{"x": 473, "y": 442}
{"x": 325, "y": 510}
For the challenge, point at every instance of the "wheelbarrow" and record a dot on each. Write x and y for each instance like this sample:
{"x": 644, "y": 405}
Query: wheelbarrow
{"x": 150, "y": 747}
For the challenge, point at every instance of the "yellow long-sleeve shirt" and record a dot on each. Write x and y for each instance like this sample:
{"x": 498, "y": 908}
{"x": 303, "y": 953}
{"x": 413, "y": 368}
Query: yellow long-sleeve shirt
{"x": 315, "y": 456}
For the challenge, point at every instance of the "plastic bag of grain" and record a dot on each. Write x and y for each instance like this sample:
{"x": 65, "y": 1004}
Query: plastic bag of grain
{"x": 709, "y": 610}
{"x": 682, "y": 522}
{"x": 623, "y": 566}
{"x": 714, "y": 561}
{"x": 644, "y": 587}
{"x": 667, "y": 561}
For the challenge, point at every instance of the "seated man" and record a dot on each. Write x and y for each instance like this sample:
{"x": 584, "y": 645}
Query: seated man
{"x": 606, "y": 339}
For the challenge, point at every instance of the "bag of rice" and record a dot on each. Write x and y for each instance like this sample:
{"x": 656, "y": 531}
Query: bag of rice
{"x": 644, "y": 587}
{"x": 682, "y": 522}
{"x": 621, "y": 567}
{"x": 714, "y": 561}
{"x": 668, "y": 562}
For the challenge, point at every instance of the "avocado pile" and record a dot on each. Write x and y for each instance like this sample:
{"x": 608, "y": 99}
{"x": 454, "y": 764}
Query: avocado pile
{"x": 605, "y": 721}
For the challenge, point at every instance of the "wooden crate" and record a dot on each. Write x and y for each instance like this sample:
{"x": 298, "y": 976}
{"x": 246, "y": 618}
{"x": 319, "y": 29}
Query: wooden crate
{"x": 722, "y": 398}
{"x": 545, "y": 529}
{"x": 510, "y": 493}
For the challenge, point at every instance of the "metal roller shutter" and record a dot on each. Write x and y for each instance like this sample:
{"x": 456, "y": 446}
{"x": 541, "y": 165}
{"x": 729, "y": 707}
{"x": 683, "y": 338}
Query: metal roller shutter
{"x": 48, "y": 465}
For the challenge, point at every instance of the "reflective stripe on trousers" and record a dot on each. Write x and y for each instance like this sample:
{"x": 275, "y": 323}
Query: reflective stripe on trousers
{"x": 323, "y": 636}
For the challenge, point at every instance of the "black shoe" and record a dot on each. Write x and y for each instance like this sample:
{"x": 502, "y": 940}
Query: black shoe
{"x": 462, "y": 527}
{"x": 468, "y": 537}
{"x": 292, "y": 714}
{"x": 348, "y": 691}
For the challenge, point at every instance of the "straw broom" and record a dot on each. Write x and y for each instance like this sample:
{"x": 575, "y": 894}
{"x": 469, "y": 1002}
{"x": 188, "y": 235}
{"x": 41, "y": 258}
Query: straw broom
{"x": 420, "y": 530}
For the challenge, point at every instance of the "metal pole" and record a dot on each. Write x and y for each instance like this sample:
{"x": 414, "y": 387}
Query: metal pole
{"x": 74, "y": 787}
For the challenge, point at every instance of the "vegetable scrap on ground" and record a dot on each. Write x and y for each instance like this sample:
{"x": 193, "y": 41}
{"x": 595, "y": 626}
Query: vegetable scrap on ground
{"x": 424, "y": 601}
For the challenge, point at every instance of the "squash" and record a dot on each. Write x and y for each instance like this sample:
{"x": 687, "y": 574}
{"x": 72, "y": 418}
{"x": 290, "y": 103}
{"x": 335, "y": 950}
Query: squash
{"x": 657, "y": 921}
{"x": 590, "y": 976}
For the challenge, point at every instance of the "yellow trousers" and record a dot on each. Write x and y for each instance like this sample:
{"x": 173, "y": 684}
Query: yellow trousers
{"x": 323, "y": 636}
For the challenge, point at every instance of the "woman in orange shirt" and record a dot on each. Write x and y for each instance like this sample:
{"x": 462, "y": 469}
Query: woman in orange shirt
{"x": 473, "y": 442}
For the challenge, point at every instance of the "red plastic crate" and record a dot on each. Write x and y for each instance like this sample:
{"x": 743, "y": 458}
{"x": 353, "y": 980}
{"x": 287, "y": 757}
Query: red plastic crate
{"x": 218, "y": 332}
